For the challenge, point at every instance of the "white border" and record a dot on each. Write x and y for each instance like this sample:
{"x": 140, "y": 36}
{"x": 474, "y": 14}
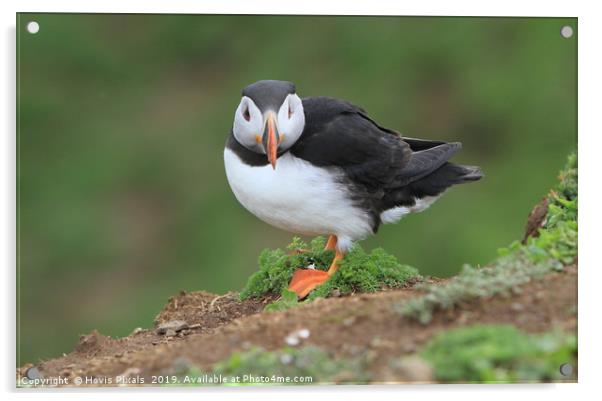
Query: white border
{"x": 589, "y": 111}
{"x": 335, "y": 7}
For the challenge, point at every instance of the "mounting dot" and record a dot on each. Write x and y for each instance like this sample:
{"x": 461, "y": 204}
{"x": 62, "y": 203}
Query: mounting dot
{"x": 566, "y": 31}
{"x": 566, "y": 369}
{"x": 33, "y": 27}
{"x": 33, "y": 373}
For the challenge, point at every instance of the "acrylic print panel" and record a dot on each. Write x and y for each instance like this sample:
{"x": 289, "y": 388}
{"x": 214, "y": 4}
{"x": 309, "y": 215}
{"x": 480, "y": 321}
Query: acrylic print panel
{"x": 175, "y": 228}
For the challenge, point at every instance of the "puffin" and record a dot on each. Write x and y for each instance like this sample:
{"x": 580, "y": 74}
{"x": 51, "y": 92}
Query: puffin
{"x": 322, "y": 166}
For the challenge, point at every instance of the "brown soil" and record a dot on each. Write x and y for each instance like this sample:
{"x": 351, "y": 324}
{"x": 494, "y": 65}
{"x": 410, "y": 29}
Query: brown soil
{"x": 362, "y": 325}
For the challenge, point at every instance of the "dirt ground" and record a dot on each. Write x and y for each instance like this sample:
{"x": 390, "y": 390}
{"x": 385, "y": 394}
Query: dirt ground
{"x": 204, "y": 328}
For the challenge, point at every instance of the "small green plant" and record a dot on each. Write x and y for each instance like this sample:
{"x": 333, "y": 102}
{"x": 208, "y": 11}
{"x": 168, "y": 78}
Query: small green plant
{"x": 305, "y": 365}
{"x": 276, "y": 266}
{"x": 358, "y": 271}
{"x": 288, "y": 299}
{"x": 366, "y": 272}
{"x": 498, "y": 353}
{"x": 555, "y": 247}
{"x": 568, "y": 178}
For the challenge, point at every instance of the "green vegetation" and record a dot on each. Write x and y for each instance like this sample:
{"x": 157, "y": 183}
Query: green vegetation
{"x": 480, "y": 353}
{"x": 358, "y": 271}
{"x": 557, "y": 238}
{"x": 288, "y": 299}
{"x": 499, "y": 354}
{"x": 502, "y": 278}
{"x": 308, "y": 364}
{"x": 276, "y": 267}
{"x": 366, "y": 272}
{"x": 555, "y": 246}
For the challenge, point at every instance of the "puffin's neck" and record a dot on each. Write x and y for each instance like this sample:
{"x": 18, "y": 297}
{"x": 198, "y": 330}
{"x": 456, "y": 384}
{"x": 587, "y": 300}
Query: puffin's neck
{"x": 247, "y": 156}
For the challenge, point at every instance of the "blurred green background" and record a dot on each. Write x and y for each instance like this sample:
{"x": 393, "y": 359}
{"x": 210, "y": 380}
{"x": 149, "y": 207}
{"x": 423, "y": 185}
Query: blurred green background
{"x": 122, "y": 119}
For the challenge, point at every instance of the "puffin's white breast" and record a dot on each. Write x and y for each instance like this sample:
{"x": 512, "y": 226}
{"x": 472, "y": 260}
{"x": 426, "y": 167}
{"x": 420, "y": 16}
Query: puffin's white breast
{"x": 298, "y": 197}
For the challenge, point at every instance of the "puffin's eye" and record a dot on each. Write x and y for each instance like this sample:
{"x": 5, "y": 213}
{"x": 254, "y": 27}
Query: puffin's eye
{"x": 290, "y": 111}
{"x": 246, "y": 114}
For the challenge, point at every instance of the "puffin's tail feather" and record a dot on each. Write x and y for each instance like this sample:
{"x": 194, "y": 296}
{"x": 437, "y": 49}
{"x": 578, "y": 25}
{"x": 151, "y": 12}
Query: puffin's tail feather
{"x": 467, "y": 173}
{"x": 444, "y": 177}
{"x": 433, "y": 184}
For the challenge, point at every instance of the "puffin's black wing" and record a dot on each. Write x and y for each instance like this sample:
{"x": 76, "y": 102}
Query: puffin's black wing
{"x": 339, "y": 134}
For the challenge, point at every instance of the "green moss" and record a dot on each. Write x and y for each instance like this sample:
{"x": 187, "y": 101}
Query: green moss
{"x": 366, "y": 272}
{"x": 518, "y": 264}
{"x": 499, "y": 353}
{"x": 358, "y": 271}
{"x": 276, "y": 266}
{"x": 308, "y": 364}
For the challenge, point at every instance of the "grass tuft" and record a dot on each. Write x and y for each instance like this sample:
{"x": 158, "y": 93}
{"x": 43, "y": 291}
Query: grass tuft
{"x": 358, "y": 271}
{"x": 276, "y": 266}
{"x": 499, "y": 353}
{"x": 366, "y": 272}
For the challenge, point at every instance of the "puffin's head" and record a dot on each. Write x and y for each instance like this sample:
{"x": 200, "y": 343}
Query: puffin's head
{"x": 269, "y": 118}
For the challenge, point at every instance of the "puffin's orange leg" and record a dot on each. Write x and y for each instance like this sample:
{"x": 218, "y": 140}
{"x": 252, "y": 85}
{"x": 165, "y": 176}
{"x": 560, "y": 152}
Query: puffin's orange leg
{"x": 331, "y": 243}
{"x": 305, "y": 280}
{"x": 335, "y": 262}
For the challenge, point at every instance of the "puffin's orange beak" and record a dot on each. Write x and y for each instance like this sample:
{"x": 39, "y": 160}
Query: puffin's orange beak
{"x": 270, "y": 140}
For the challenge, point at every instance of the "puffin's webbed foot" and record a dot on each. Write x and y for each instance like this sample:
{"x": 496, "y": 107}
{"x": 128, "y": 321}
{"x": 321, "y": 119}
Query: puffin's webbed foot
{"x": 305, "y": 280}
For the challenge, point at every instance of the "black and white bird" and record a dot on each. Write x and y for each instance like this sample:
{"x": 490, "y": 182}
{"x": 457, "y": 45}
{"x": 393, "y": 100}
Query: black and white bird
{"x": 322, "y": 166}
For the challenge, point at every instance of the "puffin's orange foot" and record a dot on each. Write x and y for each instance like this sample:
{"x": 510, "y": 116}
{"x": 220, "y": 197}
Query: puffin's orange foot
{"x": 305, "y": 280}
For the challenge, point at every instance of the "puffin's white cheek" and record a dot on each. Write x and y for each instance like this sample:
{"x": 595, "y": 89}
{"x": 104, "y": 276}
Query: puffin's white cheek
{"x": 248, "y": 125}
